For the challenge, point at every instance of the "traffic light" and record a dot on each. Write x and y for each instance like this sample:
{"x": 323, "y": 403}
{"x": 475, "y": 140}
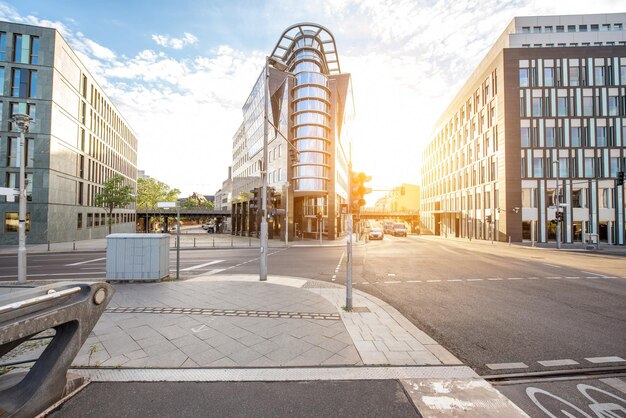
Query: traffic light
{"x": 358, "y": 191}
{"x": 488, "y": 219}
{"x": 319, "y": 216}
{"x": 271, "y": 197}
{"x": 620, "y": 178}
{"x": 559, "y": 216}
{"x": 255, "y": 201}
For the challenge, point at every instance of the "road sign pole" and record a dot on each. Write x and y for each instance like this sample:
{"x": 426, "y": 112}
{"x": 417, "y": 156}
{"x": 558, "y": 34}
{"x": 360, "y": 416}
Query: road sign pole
{"x": 177, "y": 240}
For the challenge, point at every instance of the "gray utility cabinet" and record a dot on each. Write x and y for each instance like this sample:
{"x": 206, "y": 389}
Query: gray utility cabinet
{"x": 138, "y": 256}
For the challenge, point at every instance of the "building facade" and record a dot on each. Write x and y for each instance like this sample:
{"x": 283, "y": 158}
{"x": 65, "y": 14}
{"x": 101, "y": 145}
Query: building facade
{"x": 544, "y": 113}
{"x": 76, "y": 141}
{"x": 404, "y": 198}
{"x": 310, "y": 110}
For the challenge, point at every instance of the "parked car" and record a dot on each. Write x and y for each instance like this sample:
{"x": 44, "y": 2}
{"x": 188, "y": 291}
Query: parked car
{"x": 376, "y": 233}
{"x": 399, "y": 229}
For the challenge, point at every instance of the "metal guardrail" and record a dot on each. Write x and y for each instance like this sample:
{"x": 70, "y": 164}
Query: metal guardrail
{"x": 72, "y": 310}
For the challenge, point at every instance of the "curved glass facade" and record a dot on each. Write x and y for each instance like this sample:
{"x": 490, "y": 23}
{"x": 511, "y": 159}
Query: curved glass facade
{"x": 311, "y": 102}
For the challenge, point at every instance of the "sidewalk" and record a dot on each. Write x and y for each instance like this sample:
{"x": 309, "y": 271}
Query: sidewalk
{"x": 235, "y": 328}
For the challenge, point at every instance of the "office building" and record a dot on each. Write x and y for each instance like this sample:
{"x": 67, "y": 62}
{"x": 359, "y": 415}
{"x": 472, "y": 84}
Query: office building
{"x": 542, "y": 119}
{"x": 310, "y": 110}
{"x": 76, "y": 141}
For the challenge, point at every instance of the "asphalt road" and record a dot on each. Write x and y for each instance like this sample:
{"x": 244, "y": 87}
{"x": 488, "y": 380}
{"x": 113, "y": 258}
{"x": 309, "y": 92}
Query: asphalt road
{"x": 499, "y": 309}
{"x": 241, "y": 399}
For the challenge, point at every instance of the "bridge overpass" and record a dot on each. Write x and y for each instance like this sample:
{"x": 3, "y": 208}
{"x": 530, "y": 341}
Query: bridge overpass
{"x": 195, "y": 214}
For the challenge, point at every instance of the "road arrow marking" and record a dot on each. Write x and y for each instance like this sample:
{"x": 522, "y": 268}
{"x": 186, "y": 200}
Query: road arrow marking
{"x": 85, "y": 262}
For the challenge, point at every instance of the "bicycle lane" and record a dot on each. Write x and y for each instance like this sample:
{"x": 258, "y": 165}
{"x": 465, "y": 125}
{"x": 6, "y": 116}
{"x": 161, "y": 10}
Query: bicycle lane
{"x": 580, "y": 396}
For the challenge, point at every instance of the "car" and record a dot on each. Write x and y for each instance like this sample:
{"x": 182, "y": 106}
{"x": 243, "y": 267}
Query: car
{"x": 205, "y": 227}
{"x": 399, "y": 229}
{"x": 388, "y": 227}
{"x": 376, "y": 233}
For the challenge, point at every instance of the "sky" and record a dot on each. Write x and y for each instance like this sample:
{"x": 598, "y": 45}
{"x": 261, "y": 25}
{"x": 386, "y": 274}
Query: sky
{"x": 180, "y": 71}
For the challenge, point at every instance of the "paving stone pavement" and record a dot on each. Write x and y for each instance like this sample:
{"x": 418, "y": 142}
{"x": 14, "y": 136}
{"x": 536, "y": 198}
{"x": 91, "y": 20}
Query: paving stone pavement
{"x": 378, "y": 336}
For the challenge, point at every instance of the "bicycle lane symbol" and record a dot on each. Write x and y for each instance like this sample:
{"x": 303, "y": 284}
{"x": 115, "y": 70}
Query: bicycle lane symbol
{"x": 611, "y": 407}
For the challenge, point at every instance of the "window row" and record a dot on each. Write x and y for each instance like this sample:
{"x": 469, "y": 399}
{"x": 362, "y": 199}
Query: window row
{"x": 94, "y": 220}
{"x": 594, "y": 27}
{"x": 575, "y": 136}
{"x": 571, "y": 72}
{"x": 578, "y": 166}
{"x": 573, "y": 105}
{"x": 580, "y": 198}
{"x": 25, "y": 48}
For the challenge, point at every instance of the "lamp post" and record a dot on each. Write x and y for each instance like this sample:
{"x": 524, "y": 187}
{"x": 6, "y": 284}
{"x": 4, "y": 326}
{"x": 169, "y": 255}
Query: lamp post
{"x": 23, "y": 123}
{"x": 266, "y": 93}
{"x": 287, "y": 212}
{"x": 557, "y": 202}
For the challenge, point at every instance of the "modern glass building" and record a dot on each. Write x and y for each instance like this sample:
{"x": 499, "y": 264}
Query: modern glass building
{"x": 310, "y": 112}
{"x": 76, "y": 141}
{"x": 544, "y": 114}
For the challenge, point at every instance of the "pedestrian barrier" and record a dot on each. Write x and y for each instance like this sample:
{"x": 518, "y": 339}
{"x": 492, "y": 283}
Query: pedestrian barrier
{"x": 71, "y": 310}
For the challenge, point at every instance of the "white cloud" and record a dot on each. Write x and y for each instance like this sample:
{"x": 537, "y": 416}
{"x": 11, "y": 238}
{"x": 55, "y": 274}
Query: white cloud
{"x": 168, "y": 41}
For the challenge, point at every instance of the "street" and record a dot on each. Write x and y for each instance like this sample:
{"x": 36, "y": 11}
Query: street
{"x": 501, "y": 310}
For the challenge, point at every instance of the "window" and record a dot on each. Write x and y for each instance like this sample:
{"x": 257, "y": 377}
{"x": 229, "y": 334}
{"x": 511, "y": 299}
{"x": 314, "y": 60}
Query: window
{"x": 3, "y": 46}
{"x": 594, "y": 28}
{"x": 550, "y": 137}
{"x": 1, "y": 81}
{"x": 523, "y": 77}
{"x": 589, "y": 167}
{"x": 599, "y": 72}
{"x": 605, "y": 198}
{"x": 576, "y": 137}
{"x": 79, "y": 223}
{"x": 571, "y": 28}
{"x": 560, "y": 28}
{"x": 574, "y": 76}
{"x": 578, "y": 200}
{"x": 548, "y": 76}
{"x": 13, "y": 152}
{"x": 34, "y": 49}
{"x": 613, "y": 166}
{"x": 11, "y": 222}
{"x": 601, "y": 136}
{"x": 613, "y": 105}
{"x": 617, "y": 26}
{"x": 24, "y": 83}
{"x": 17, "y": 48}
{"x": 80, "y": 193}
{"x": 587, "y": 106}
{"x": 525, "y": 29}
{"x": 89, "y": 220}
{"x": 547, "y": 29}
{"x": 537, "y": 167}
{"x": 529, "y": 198}
{"x": 561, "y": 106}
{"x": 582, "y": 28}
{"x": 525, "y": 137}
{"x": 606, "y": 27}
{"x": 537, "y": 106}
{"x": 564, "y": 167}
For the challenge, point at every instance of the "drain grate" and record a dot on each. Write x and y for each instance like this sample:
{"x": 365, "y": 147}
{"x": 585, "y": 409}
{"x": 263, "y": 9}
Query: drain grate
{"x": 226, "y": 312}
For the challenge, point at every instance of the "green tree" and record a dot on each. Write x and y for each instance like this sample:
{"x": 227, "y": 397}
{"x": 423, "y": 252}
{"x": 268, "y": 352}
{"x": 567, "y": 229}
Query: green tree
{"x": 196, "y": 200}
{"x": 114, "y": 194}
{"x": 150, "y": 191}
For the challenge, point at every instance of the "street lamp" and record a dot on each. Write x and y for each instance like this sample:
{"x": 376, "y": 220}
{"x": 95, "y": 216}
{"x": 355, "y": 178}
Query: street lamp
{"x": 23, "y": 123}
{"x": 280, "y": 66}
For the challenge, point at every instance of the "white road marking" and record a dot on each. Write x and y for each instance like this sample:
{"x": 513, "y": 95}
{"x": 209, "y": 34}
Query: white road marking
{"x": 552, "y": 265}
{"x": 561, "y": 362}
{"x": 515, "y": 278}
{"x": 365, "y": 283}
{"x": 198, "y": 266}
{"x": 533, "y": 278}
{"x": 414, "y": 281}
{"x": 572, "y": 277}
{"x": 615, "y": 383}
{"x": 85, "y": 262}
{"x": 553, "y": 277}
{"x": 474, "y": 280}
{"x": 391, "y": 274}
{"x": 433, "y": 281}
{"x": 393, "y": 282}
{"x": 56, "y": 274}
{"x": 502, "y": 366}
{"x": 595, "y": 274}
{"x": 609, "y": 359}
{"x": 495, "y": 279}
{"x": 454, "y": 280}
{"x": 198, "y": 329}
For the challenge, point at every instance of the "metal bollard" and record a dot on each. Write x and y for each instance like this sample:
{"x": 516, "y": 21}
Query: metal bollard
{"x": 213, "y": 240}
{"x": 231, "y": 241}
{"x": 194, "y": 242}
{"x": 48, "y": 245}
{"x": 509, "y": 240}
{"x": 74, "y": 245}
{"x": 250, "y": 241}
